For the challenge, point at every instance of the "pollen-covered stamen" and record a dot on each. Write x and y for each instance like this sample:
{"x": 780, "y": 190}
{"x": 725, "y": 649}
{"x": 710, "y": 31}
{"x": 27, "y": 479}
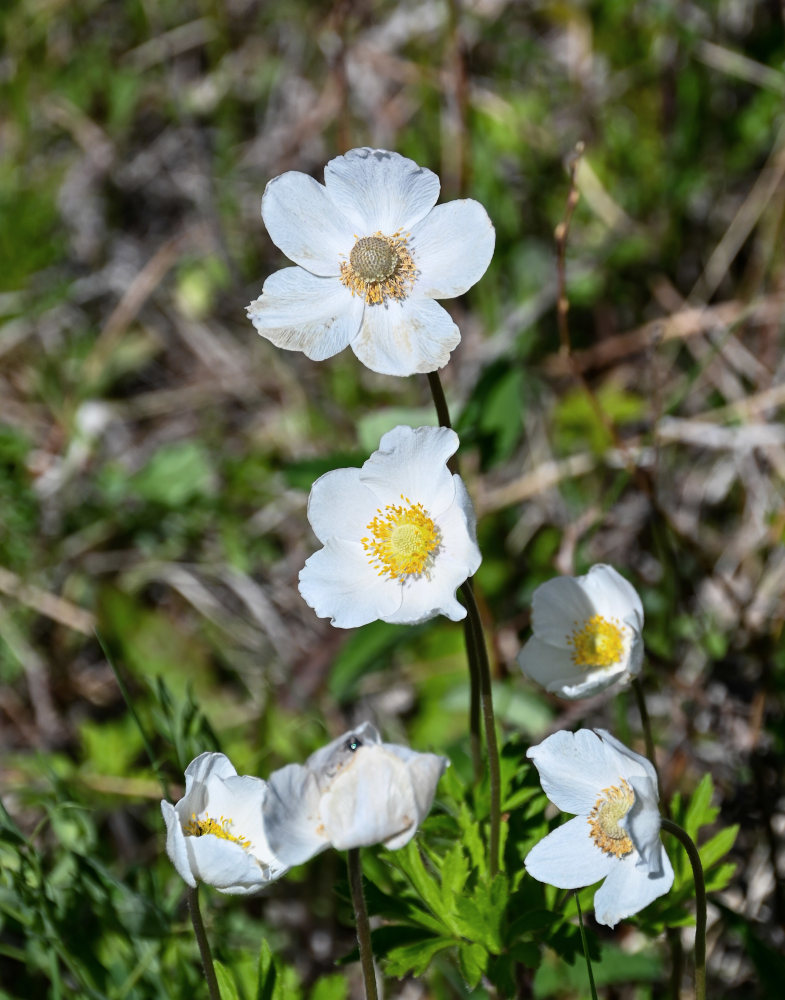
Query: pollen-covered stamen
{"x": 606, "y": 830}
{"x": 379, "y": 267}
{"x": 598, "y": 643}
{"x": 217, "y": 827}
{"x": 403, "y": 540}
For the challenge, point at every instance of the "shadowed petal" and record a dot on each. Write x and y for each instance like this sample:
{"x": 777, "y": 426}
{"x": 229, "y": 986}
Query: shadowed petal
{"x": 568, "y": 858}
{"x": 628, "y": 888}
{"x": 403, "y": 338}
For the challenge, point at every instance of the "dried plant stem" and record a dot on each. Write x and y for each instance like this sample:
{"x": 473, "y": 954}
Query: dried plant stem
{"x": 700, "y": 903}
{"x": 204, "y": 944}
{"x": 361, "y": 922}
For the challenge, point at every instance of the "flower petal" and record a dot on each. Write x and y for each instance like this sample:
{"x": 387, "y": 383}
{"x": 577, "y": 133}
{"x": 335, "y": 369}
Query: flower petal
{"x": 612, "y": 595}
{"x": 632, "y": 764}
{"x": 306, "y": 224}
{"x": 557, "y": 606}
{"x": 642, "y": 823}
{"x": 380, "y": 191}
{"x": 340, "y": 506}
{"x": 291, "y": 815}
{"x": 339, "y": 582}
{"x": 175, "y": 844}
{"x": 324, "y": 761}
{"x": 404, "y": 338}
{"x": 413, "y": 462}
{"x": 568, "y": 858}
{"x": 452, "y": 248}
{"x": 628, "y": 888}
{"x": 225, "y": 865}
{"x": 301, "y": 312}
{"x": 575, "y": 767}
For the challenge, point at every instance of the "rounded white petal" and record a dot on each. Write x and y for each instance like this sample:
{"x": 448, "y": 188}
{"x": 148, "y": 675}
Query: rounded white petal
{"x": 340, "y": 506}
{"x": 425, "y": 770}
{"x": 413, "y": 462}
{"x": 306, "y": 224}
{"x": 452, "y": 248}
{"x": 405, "y": 338}
{"x": 642, "y": 823}
{"x": 628, "y": 888}
{"x": 631, "y": 764}
{"x": 574, "y": 768}
{"x": 612, "y": 595}
{"x": 225, "y": 865}
{"x": 339, "y": 583}
{"x": 423, "y": 599}
{"x": 558, "y": 606}
{"x": 175, "y": 844}
{"x": 298, "y": 311}
{"x": 291, "y": 815}
{"x": 568, "y": 858}
{"x": 203, "y": 769}
{"x": 548, "y": 665}
{"x": 380, "y": 191}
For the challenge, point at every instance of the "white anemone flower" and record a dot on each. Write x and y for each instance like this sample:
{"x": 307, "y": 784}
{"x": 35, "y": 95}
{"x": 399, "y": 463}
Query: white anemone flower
{"x": 354, "y": 792}
{"x": 215, "y": 833}
{"x": 587, "y": 633}
{"x": 372, "y": 254}
{"x": 398, "y": 534}
{"x": 616, "y": 833}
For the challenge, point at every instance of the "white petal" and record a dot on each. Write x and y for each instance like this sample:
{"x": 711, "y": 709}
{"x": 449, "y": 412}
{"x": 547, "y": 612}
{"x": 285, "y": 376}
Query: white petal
{"x": 225, "y": 865}
{"x": 575, "y": 767}
{"x": 339, "y": 583}
{"x": 612, "y": 595}
{"x": 175, "y": 844}
{"x": 380, "y": 191}
{"x": 424, "y": 770}
{"x": 291, "y": 815}
{"x": 404, "y": 338}
{"x": 548, "y": 665}
{"x": 568, "y": 858}
{"x": 642, "y": 823}
{"x": 340, "y": 506}
{"x": 201, "y": 770}
{"x": 305, "y": 223}
{"x": 425, "y": 598}
{"x": 628, "y": 888}
{"x": 558, "y": 606}
{"x": 631, "y": 764}
{"x": 300, "y": 312}
{"x": 413, "y": 462}
{"x": 452, "y": 248}
{"x": 323, "y": 762}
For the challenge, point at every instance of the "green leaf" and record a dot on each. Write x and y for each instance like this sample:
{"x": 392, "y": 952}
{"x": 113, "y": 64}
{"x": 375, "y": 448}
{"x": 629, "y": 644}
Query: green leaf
{"x": 718, "y": 846}
{"x": 176, "y": 473}
{"x": 472, "y": 958}
{"x": 267, "y": 975}
{"x": 330, "y": 988}
{"x": 454, "y": 872}
{"x": 415, "y": 958}
{"x": 427, "y": 888}
{"x": 700, "y": 811}
{"x": 226, "y": 983}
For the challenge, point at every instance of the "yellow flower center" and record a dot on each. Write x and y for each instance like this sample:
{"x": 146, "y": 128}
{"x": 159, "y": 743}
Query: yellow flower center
{"x": 402, "y": 539}
{"x": 606, "y": 832}
{"x": 379, "y": 268}
{"x": 218, "y": 827}
{"x": 600, "y": 643}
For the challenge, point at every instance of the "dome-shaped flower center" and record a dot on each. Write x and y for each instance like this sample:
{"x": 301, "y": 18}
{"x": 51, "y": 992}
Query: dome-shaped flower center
{"x": 218, "y": 827}
{"x": 380, "y": 267}
{"x": 402, "y": 539}
{"x": 606, "y": 831}
{"x": 599, "y": 643}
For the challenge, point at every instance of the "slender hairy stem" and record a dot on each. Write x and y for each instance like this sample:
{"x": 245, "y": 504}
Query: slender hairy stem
{"x": 585, "y": 944}
{"x": 637, "y": 688}
{"x": 700, "y": 903}
{"x": 439, "y": 399}
{"x": 361, "y": 922}
{"x": 204, "y": 944}
{"x": 486, "y": 701}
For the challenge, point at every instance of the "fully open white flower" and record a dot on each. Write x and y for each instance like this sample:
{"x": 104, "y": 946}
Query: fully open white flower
{"x": 398, "y": 534}
{"x": 372, "y": 253}
{"x": 354, "y": 792}
{"x": 587, "y": 633}
{"x": 616, "y": 833}
{"x": 215, "y": 833}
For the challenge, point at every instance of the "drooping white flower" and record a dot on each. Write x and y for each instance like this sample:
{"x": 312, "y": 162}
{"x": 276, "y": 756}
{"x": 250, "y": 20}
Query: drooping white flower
{"x": 215, "y": 833}
{"x": 372, "y": 253}
{"x": 398, "y": 534}
{"x": 354, "y": 792}
{"x": 587, "y": 633}
{"x": 616, "y": 833}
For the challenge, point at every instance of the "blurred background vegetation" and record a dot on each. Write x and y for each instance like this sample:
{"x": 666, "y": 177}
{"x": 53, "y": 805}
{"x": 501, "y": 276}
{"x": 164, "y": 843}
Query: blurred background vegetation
{"x": 156, "y": 454}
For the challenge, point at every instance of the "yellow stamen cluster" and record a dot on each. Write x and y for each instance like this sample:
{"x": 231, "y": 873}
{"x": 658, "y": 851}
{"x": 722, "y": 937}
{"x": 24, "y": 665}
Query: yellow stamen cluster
{"x": 613, "y": 805}
{"x": 218, "y": 827}
{"x": 599, "y": 643}
{"x": 379, "y": 267}
{"x": 403, "y": 539}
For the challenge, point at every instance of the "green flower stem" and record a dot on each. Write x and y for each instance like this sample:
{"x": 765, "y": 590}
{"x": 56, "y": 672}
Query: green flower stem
{"x": 700, "y": 903}
{"x": 204, "y": 944}
{"x": 361, "y": 922}
{"x": 637, "y": 688}
{"x": 477, "y": 652}
{"x": 585, "y": 944}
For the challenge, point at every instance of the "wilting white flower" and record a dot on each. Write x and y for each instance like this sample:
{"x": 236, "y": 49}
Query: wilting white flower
{"x": 616, "y": 833}
{"x": 587, "y": 633}
{"x": 398, "y": 534}
{"x": 372, "y": 253}
{"x": 215, "y": 833}
{"x": 354, "y": 792}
